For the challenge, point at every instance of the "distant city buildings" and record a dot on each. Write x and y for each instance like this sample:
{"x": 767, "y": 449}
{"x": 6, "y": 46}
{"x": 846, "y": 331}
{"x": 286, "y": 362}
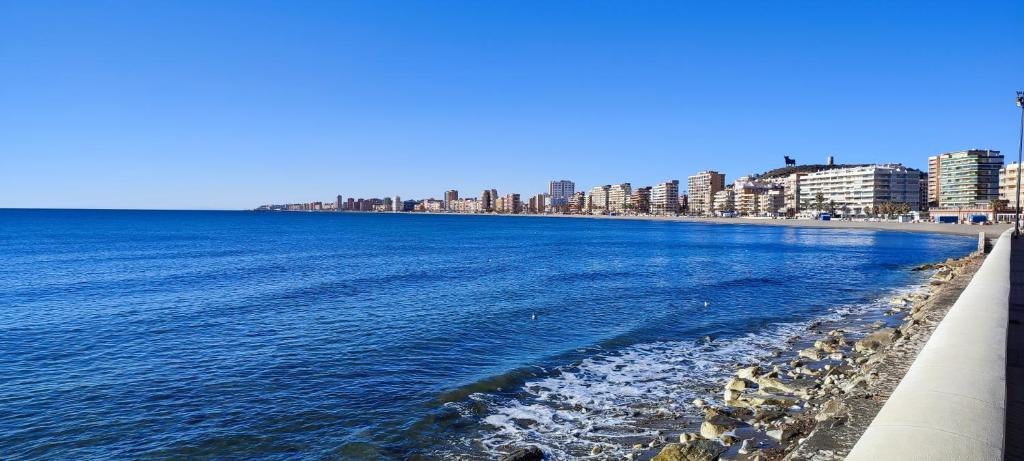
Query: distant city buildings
{"x": 701, "y": 190}
{"x": 960, "y": 183}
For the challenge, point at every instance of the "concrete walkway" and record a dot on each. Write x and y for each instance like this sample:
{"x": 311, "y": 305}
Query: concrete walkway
{"x": 1014, "y": 443}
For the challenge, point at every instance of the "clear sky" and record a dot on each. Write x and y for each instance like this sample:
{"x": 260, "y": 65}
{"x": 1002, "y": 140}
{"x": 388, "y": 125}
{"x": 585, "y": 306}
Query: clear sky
{"x": 179, "y": 104}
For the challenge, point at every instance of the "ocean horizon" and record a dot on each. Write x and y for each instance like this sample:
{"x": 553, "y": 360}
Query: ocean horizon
{"x": 213, "y": 334}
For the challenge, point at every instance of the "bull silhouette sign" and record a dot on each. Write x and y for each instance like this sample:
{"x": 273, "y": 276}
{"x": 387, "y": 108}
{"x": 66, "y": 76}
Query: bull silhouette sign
{"x": 790, "y": 161}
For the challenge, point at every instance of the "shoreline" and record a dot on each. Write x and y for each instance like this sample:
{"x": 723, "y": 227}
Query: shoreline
{"x": 814, "y": 402}
{"x": 992, "y": 231}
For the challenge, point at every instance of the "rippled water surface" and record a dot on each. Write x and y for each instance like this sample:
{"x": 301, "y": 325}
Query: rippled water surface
{"x": 170, "y": 335}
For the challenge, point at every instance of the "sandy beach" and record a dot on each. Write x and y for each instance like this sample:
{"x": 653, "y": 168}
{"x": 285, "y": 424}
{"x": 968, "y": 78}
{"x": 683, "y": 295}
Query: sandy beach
{"x": 991, "y": 231}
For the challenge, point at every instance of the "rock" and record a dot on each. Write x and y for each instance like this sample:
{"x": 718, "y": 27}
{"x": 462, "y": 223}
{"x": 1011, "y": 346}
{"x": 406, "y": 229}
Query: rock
{"x": 699, "y": 403}
{"x": 687, "y": 437}
{"x": 825, "y": 346}
{"x": 759, "y": 400}
{"x": 747, "y": 446}
{"x": 728, "y": 440}
{"x": 811, "y": 354}
{"x": 596, "y": 450}
{"x": 697, "y": 450}
{"x": 638, "y": 446}
{"x": 748, "y": 372}
{"x": 765, "y": 382}
{"x": 781, "y": 434}
{"x": 876, "y": 341}
{"x": 715, "y": 426}
{"x": 736, "y": 384}
{"x": 524, "y": 454}
{"x": 833, "y": 408}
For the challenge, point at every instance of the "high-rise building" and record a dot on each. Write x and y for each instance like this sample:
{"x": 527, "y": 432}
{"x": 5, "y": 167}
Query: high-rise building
{"x": 560, "y": 191}
{"x": 702, "y": 187}
{"x": 724, "y": 201}
{"x": 578, "y": 202}
{"x": 665, "y": 198}
{"x": 351, "y": 204}
{"x": 791, "y": 191}
{"x": 486, "y": 201}
{"x": 450, "y": 196}
{"x": 640, "y": 202}
{"x": 598, "y": 199}
{"x": 857, "y": 191}
{"x": 538, "y": 203}
{"x": 618, "y": 197}
{"x": 512, "y": 204}
{"x": 397, "y": 204}
{"x": 964, "y": 178}
{"x": 1008, "y": 184}
{"x": 338, "y": 204}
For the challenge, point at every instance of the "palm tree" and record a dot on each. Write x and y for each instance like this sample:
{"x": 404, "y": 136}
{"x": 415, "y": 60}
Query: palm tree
{"x": 819, "y": 201}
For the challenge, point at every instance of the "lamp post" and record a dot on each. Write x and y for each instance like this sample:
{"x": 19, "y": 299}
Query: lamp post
{"x": 1020, "y": 146}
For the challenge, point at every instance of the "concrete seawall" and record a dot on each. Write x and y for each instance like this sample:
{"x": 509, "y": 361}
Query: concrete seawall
{"x": 951, "y": 404}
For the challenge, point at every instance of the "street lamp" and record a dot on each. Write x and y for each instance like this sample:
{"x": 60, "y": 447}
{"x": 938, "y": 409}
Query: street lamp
{"x": 1020, "y": 146}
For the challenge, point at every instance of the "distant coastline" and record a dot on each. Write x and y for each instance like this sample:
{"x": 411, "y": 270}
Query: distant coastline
{"x": 991, "y": 230}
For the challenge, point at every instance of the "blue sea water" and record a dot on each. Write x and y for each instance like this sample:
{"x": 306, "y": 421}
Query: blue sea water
{"x": 240, "y": 335}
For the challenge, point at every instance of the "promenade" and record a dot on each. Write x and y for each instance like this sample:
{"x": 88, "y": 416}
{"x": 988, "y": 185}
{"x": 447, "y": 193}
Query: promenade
{"x": 1014, "y": 446}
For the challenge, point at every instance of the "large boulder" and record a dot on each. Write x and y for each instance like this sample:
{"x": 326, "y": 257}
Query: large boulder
{"x": 714, "y": 426}
{"x": 697, "y": 450}
{"x": 811, "y": 354}
{"x": 524, "y": 454}
{"x": 876, "y": 341}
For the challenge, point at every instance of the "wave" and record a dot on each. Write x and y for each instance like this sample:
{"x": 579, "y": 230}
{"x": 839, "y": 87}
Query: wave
{"x": 610, "y": 399}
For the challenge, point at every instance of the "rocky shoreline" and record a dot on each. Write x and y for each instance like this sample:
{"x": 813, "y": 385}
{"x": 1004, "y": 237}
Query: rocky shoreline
{"x": 813, "y": 402}
{"x": 816, "y": 405}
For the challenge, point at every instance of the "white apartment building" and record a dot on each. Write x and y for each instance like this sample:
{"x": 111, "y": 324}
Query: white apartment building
{"x": 724, "y": 201}
{"x": 618, "y": 197}
{"x": 598, "y": 198}
{"x": 1008, "y": 184}
{"x": 560, "y": 191}
{"x": 665, "y": 198}
{"x": 855, "y": 191}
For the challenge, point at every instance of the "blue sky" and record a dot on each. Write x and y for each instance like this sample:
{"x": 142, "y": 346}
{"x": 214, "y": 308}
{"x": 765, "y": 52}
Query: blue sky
{"x": 231, "y": 105}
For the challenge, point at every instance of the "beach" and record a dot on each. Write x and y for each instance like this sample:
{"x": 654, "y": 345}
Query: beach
{"x": 991, "y": 230}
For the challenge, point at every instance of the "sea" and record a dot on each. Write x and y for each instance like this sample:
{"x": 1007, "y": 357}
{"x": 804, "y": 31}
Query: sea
{"x": 362, "y": 336}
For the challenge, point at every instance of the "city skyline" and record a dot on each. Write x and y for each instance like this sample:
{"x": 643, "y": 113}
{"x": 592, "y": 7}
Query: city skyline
{"x": 219, "y": 106}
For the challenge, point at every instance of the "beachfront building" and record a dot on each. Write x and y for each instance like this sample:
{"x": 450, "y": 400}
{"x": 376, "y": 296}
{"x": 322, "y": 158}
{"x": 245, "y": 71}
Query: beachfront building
{"x": 1008, "y": 185}
{"x": 597, "y": 201}
{"x": 724, "y": 201}
{"x": 702, "y": 188}
{"x": 510, "y": 203}
{"x": 640, "y": 201}
{"x": 578, "y": 202}
{"x": 791, "y": 191}
{"x": 396, "y": 204}
{"x": 450, "y": 196}
{"x": 560, "y": 191}
{"x": 487, "y": 201}
{"x": 665, "y": 198}
{"x": 537, "y": 203}
{"x": 964, "y": 178}
{"x": 618, "y": 197}
{"x": 859, "y": 190}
